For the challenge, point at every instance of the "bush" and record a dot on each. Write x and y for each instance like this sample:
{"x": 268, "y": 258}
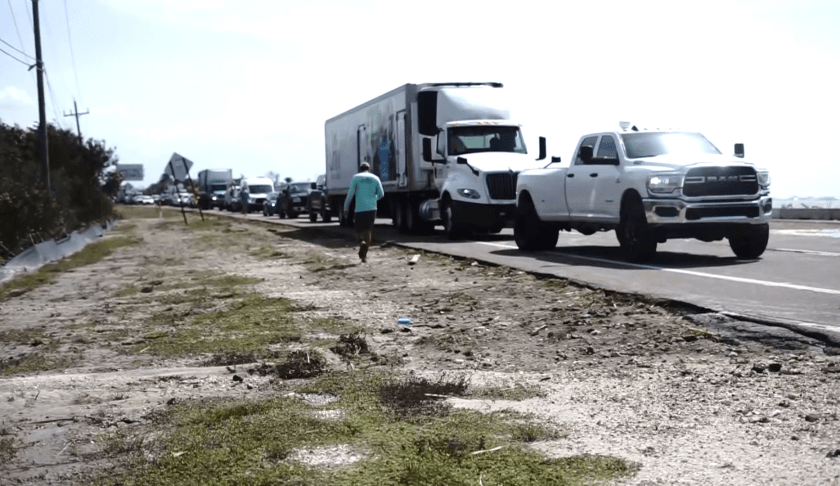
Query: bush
{"x": 80, "y": 193}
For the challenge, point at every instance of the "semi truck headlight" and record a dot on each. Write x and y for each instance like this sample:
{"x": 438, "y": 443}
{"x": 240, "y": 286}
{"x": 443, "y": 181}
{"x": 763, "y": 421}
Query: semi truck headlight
{"x": 664, "y": 183}
{"x": 763, "y": 179}
{"x": 469, "y": 193}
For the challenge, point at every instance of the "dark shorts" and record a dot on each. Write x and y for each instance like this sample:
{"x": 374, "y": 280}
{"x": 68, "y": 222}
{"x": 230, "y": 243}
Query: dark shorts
{"x": 363, "y": 220}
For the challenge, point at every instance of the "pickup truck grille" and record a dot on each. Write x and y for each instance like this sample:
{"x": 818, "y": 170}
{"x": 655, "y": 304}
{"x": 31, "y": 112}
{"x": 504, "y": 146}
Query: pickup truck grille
{"x": 502, "y": 185}
{"x": 720, "y": 181}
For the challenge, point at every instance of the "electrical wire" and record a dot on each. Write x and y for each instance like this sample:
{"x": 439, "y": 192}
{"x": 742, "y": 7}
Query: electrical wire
{"x": 18, "y": 50}
{"x": 13, "y": 57}
{"x": 72, "y": 55}
{"x": 14, "y": 19}
{"x": 52, "y": 100}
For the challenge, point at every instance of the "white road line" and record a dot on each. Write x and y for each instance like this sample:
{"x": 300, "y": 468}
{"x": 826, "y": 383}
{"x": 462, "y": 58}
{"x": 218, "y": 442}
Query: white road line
{"x": 807, "y": 252}
{"x": 691, "y": 272}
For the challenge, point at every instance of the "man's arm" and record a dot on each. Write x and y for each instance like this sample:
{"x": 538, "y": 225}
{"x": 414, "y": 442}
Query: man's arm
{"x": 380, "y": 193}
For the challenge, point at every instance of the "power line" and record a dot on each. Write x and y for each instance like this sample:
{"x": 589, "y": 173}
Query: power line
{"x": 14, "y": 19}
{"x": 13, "y": 57}
{"x": 18, "y": 50}
{"x": 52, "y": 100}
{"x": 72, "y": 55}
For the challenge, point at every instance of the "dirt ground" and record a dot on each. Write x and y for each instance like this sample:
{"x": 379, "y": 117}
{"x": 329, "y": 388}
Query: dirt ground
{"x": 693, "y": 398}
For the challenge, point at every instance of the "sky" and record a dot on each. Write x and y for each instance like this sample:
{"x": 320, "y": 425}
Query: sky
{"x": 249, "y": 85}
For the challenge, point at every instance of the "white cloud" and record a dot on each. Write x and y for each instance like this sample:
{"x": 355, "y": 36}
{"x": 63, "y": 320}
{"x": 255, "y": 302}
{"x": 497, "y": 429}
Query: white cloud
{"x": 12, "y": 97}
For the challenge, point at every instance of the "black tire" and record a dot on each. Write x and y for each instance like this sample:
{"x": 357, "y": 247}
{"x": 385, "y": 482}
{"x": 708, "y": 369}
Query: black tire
{"x": 325, "y": 215}
{"x": 398, "y": 215}
{"x": 313, "y": 216}
{"x": 452, "y": 224}
{"x": 292, "y": 214}
{"x": 751, "y": 243}
{"x": 633, "y": 233}
{"x": 526, "y": 228}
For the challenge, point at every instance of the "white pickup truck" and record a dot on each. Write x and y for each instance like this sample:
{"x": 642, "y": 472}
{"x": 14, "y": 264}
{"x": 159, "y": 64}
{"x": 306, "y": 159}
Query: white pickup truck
{"x": 648, "y": 186}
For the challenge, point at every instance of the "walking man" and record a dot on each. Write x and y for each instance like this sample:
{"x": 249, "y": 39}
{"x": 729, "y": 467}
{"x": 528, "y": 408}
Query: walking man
{"x": 367, "y": 188}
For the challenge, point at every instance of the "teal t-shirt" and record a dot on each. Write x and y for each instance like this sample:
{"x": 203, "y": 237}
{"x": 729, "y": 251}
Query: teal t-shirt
{"x": 368, "y": 189}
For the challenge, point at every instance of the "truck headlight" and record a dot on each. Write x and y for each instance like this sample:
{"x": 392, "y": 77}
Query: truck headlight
{"x": 469, "y": 193}
{"x": 763, "y": 179}
{"x": 664, "y": 183}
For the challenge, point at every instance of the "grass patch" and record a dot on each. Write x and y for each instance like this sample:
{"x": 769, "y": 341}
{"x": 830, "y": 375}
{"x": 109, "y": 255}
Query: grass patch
{"x": 38, "y": 362}
{"x": 7, "y": 448}
{"x": 31, "y": 336}
{"x": 48, "y": 273}
{"x": 249, "y": 325}
{"x": 144, "y": 212}
{"x": 517, "y": 391}
{"x": 222, "y": 442}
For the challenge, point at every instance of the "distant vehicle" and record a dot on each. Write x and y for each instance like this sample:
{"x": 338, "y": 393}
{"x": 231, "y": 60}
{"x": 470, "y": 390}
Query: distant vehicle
{"x": 231, "y": 202}
{"x": 293, "y": 200}
{"x": 319, "y": 201}
{"x": 186, "y": 199}
{"x": 269, "y": 205}
{"x": 168, "y": 199}
{"x": 144, "y": 200}
{"x": 258, "y": 189}
{"x": 211, "y": 187}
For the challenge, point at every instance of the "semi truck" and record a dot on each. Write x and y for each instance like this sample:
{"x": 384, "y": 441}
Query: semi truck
{"x": 212, "y": 184}
{"x": 446, "y": 153}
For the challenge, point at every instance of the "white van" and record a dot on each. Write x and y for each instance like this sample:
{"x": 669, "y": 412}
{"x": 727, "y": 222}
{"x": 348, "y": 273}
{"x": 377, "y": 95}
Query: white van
{"x": 258, "y": 190}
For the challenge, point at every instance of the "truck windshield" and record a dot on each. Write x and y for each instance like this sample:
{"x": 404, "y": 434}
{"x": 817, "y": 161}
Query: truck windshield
{"x": 485, "y": 138}
{"x": 300, "y": 187}
{"x": 218, "y": 187}
{"x": 638, "y": 145}
{"x": 260, "y": 189}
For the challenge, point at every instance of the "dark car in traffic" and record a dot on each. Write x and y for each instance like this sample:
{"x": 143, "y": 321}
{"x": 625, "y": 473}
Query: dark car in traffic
{"x": 270, "y": 204}
{"x": 293, "y": 200}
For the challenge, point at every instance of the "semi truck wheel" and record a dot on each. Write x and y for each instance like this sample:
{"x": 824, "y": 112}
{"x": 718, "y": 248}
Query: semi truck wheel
{"x": 452, "y": 224}
{"x": 313, "y": 216}
{"x": 325, "y": 215}
{"x": 750, "y": 243}
{"x": 633, "y": 233}
{"x": 398, "y": 215}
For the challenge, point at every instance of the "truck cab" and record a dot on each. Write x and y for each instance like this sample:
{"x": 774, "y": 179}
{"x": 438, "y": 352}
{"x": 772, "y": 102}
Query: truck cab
{"x": 649, "y": 186}
{"x": 476, "y": 164}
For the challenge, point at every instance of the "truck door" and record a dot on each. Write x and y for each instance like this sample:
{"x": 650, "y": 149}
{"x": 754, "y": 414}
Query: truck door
{"x": 362, "y": 147}
{"x": 607, "y": 186}
{"x": 580, "y": 183}
{"x": 402, "y": 178}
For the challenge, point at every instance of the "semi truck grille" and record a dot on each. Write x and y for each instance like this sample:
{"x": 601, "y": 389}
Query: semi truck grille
{"x": 502, "y": 185}
{"x": 720, "y": 181}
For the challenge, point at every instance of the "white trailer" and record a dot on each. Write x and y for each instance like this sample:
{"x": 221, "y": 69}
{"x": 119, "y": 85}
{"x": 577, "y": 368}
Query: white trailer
{"x": 446, "y": 153}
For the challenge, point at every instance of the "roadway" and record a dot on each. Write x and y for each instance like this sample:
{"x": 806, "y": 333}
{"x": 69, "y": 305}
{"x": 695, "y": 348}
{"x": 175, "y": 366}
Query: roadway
{"x": 796, "y": 283}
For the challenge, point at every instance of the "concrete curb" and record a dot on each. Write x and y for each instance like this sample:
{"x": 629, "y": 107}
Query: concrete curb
{"x": 53, "y": 250}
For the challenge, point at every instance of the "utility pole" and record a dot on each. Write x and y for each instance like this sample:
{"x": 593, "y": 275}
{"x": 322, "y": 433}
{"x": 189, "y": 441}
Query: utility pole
{"x": 42, "y": 111}
{"x": 77, "y": 115}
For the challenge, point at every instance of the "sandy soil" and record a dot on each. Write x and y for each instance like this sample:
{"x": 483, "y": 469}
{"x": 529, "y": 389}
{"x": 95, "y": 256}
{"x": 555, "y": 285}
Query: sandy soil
{"x": 693, "y": 398}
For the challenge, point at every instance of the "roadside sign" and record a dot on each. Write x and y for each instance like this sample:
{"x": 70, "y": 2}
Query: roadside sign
{"x": 180, "y": 165}
{"x": 131, "y": 172}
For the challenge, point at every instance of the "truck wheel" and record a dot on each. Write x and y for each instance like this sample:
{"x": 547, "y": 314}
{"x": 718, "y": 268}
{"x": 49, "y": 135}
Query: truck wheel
{"x": 633, "y": 232}
{"x": 751, "y": 243}
{"x": 548, "y": 238}
{"x": 526, "y": 228}
{"x": 398, "y": 215}
{"x": 325, "y": 215}
{"x": 452, "y": 224}
{"x": 313, "y": 216}
{"x": 292, "y": 214}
